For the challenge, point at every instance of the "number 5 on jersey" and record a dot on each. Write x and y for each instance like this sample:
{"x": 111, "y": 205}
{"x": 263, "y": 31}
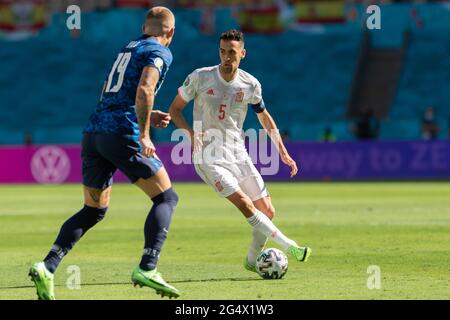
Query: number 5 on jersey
{"x": 120, "y": 66}
{"x": 222, "y": 111}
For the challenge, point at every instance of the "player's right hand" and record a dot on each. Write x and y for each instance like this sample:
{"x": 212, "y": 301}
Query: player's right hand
{"x": 148, "y": 149}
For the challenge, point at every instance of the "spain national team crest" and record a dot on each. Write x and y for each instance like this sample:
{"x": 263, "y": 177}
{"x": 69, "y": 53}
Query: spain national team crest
{"x": 240, "y": 96}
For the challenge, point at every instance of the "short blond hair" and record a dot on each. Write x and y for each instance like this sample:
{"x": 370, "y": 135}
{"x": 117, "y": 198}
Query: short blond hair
{"x": 159, "y": 21}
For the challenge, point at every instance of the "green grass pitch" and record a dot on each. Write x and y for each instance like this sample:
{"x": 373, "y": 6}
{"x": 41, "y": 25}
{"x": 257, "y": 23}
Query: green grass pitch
{"x": 403, "y": 228}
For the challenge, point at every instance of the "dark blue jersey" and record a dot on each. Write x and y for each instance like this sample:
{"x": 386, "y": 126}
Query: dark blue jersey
{"x": 115, "y": 112}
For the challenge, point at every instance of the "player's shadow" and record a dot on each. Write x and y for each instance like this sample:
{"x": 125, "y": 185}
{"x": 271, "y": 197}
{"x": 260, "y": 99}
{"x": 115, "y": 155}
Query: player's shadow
{"x": 129, "y": 283}
{"x": 217, "y": 280}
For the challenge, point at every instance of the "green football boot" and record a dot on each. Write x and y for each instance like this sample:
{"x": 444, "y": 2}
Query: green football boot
{"x": 299, "y": 253}
{"x": 43, "y": 280}
{"x": 154, "y": 280}
{"x": 248, "y": 266}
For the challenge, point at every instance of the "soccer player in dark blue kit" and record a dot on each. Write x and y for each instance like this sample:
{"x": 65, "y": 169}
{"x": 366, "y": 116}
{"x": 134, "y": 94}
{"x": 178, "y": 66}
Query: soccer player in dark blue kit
{"x": 117, "y": 136}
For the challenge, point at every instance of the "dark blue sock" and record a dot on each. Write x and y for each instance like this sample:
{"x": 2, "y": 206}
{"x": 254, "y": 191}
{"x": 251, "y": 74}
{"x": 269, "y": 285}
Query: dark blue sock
{"x": 157, "y": 226}
{"x": 71, "y": 231}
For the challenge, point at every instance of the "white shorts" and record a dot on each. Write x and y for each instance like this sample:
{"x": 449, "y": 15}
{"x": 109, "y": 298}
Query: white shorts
{"x": 227, "y": 179}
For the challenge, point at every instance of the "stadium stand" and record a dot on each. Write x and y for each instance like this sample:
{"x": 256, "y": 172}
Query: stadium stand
{"x": 306, "y": 86}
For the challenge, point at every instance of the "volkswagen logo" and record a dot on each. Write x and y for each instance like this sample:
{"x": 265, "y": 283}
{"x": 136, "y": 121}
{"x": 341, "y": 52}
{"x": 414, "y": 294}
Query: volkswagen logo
{"x": 50, "y": 164}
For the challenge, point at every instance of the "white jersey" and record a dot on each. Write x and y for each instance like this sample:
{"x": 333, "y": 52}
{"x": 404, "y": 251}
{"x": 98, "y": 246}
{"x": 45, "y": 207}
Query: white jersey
{"x": 220, "y": 107}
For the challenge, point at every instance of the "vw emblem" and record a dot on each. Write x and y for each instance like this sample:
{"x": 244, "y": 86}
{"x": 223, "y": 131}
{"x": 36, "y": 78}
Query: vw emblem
{"x": 50, "y": 164}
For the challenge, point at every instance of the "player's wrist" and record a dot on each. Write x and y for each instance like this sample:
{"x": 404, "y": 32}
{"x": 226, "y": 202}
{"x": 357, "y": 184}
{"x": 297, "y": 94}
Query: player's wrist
{"x": 284, "y": 154}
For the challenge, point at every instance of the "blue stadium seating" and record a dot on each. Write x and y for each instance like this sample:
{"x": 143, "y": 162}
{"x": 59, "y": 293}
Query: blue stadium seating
{"x": 426, "y": 78}
{"x": 306, "y": 76}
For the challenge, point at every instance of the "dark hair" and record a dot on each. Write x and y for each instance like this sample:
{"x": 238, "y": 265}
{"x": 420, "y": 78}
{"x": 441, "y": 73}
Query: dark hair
{"x": 231, "y": 35}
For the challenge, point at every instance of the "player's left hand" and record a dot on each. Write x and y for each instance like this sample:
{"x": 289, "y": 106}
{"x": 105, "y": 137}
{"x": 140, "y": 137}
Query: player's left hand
{"x": 286, "y": 158}
{"x": 159, "y": 119}
{"x": 148, "y": 149}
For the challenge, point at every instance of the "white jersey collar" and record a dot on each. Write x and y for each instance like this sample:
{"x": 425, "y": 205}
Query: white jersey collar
{"x": 223, "y": 80}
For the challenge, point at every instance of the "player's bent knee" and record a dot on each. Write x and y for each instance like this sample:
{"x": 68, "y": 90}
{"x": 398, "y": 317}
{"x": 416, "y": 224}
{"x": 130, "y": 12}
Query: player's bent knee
{"x": 97, "y": 198}
{"x": 246, "y": 207}
{"x": 272, "y": 211}
{"x": 265, "y": 206}
{"x": 156, "y": 184}
{"x": 169, "y": 196}
{"x": 94, "y": 214}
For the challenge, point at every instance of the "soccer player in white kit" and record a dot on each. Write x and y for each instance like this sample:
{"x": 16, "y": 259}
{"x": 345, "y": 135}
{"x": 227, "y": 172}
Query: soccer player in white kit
{"x": 221, "y": 96}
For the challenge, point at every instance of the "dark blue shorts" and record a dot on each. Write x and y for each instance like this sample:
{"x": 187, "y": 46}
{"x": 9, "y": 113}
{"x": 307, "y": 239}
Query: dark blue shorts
{"x": 102, "y": 154}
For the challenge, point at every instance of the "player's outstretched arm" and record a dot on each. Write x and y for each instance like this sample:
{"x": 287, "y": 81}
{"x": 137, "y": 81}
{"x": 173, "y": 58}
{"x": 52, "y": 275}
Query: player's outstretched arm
{"x": 176, "y": 113}
{"x": 145, "y": 98}
{"x": 270, "y": 126}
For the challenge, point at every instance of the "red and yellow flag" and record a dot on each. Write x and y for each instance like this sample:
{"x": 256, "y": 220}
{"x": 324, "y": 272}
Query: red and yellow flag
{"x": 22, "y": 15}
{"x": 320, "y": 11}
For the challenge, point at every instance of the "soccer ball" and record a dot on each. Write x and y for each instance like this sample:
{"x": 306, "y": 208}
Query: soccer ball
{"x": 271, "y": 263}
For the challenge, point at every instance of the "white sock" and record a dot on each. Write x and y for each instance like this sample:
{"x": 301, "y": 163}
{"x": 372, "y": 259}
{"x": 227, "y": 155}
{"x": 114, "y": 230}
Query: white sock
{"x": 260, "y": 222}
{"x": 258, "y": 243}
